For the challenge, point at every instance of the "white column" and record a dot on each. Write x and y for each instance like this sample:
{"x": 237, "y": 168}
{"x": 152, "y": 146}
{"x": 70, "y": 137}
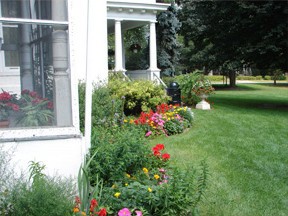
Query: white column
{"x": 153, "y": 48}
{"x": 118, "y": 47}
{"x": 61, "y": 91}
{"x": 25, "y": 50}
{"x": 153, "y": 70}
{"x": 123, "y": 53}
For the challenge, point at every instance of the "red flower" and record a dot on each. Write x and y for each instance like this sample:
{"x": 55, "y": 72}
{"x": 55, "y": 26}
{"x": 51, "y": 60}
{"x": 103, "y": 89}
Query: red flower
{"x": 102, "y": 212}
{"x": 15, "y": 107}
{"x": 50, "y": 105}
{"x": 158, "y": 147}
{"x": 33, "y": 94}
{"x": 94, "y": 202}
{"x": 5, "y": 96}
{"x": 166, "y": 156}
{"x": 157, "y": 153}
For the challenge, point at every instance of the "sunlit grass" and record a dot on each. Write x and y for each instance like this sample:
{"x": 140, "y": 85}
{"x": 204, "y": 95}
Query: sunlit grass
{"x": 244, "y": 140}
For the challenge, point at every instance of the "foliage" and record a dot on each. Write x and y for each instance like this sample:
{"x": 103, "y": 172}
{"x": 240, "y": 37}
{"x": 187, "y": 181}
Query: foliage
{"x": 192, "y": 85}
{"x": 168, "y": 47}
{"x": 121, "y": 150}
{"x": 34, "y": 110}
{"x": 104, "y": 106}
{"x": 86, "y": 203}
{"x": 215, "y": 34}
{"x": 139, "y": 95}
{"x": 45, "y": 196}
{"x": 159, "y": 190}
{"x": 8, "y": 103}
{"x": 215, "y": 78}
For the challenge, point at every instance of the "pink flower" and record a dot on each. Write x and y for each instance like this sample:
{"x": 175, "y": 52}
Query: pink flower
{"x": 124, "y": 212}
{"x": 148, "y": 133}
{"x": 138, "y": 213}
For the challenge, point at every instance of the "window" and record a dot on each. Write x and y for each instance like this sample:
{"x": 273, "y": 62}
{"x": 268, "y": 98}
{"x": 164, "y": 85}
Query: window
{"x": 34, "y": 64}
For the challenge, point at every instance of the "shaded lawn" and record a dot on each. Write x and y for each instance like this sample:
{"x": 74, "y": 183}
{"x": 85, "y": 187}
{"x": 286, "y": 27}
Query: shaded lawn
{"x": 244, "y": 140}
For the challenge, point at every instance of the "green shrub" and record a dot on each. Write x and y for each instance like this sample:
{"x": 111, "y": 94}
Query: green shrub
{"x": 104, "y": 106}
{"x": 267, "y": 77}
{"x": 173, "y": 127}
{"x": 43, "y": 196}
{"x": 215, "y": 78}
{"x": 140, "y": 95}
{"x": 121, "y": 151}
{"x": 246, "y": 78}
{"x": 173, "y": 192}
{"x": 259, "y": 77}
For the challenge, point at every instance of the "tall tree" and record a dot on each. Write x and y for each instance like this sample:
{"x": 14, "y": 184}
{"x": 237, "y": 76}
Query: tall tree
{"x": 227, "y": 35}
{"x": 168, "y": 47}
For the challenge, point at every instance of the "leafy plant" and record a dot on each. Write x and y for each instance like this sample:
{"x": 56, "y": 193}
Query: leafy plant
{"x": 140, "y": 95}
{"x": 45, "y": 196}
{"x": 34, "y": 110}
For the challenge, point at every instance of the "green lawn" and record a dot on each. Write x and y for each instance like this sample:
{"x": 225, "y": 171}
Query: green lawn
{"x": 244, "y": 140}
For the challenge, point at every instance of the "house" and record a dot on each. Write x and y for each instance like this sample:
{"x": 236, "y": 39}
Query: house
{"x": 46, "y": 47}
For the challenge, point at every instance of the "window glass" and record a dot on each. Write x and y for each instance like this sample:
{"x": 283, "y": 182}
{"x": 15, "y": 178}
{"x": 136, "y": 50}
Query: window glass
{"x": 29, "y": 94}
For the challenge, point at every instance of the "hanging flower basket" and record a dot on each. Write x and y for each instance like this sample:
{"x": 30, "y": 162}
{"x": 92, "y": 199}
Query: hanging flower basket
{"x": 135, "y": 48}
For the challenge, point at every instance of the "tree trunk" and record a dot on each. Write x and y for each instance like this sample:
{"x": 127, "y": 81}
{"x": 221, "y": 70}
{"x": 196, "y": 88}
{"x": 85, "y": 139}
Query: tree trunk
{"x": 232, "y": 77}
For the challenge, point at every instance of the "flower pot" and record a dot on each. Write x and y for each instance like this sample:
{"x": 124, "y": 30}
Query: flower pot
{"x": 4, "y": 124}
{"x": 203, "y": 104}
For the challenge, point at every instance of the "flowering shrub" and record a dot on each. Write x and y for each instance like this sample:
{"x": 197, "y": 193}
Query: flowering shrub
{"x": 35, "y": 110}
{"x": 8, "y": 102}
{"x": 167, "y": 120}
{"x": 155, "y": 189}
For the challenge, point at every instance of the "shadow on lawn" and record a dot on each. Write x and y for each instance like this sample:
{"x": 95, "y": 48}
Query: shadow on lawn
{"x": 253, "y": 103}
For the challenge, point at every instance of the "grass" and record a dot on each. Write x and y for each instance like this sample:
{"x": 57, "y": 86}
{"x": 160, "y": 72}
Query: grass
{"x": 244, "y": 140}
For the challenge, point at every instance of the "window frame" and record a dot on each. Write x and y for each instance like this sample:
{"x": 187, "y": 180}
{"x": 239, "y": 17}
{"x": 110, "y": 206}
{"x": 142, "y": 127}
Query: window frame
{"x": 18, "y": 134}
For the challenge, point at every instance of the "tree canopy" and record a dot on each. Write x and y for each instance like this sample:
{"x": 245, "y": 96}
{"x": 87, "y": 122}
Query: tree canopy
{"x": 230, "y": 34}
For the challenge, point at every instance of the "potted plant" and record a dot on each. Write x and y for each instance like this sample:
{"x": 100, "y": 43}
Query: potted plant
{"x": 34, "y": 110}
{"x": 8, "y": 104}
{"x": 202, "y": 89}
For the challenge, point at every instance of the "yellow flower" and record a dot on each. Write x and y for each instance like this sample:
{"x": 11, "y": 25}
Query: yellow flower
{"x": 83, "y": 213}
{"x": 131, "y": 121}
{"x": 126, "y": 184}
{"x": 117, "y": 194}
{"x": 145, "y": 170}
{"x": 128, "y": 176}
{"x": 149, "y": 189}
{"x": 125, "y": 120}
{"x": 156, "y": 176}
{"x": 75, "y": 210}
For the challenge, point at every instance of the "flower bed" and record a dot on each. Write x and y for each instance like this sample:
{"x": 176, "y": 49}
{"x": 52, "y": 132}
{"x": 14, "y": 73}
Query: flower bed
{"x": 166, "y": 120}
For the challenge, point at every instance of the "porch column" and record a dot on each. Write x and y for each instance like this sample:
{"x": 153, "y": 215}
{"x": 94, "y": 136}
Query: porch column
{"x": 153, "y": 53}
{"x": 61, "y": 91}
{"x": 25, "y": 50}
{"x": 118, "y": 47}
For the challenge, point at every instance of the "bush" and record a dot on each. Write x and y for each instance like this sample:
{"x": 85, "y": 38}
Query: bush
{"x": 121, "y": 150}
{"x": 215, "y": 78}
{"x": 246, "y": 78}
{"x": 43, "y": 196}
{"x": 161, "y": 190}
{"x": 140, "y": 95}
{"x": 266, "y": 77}
{"x": 104, "y": 106}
